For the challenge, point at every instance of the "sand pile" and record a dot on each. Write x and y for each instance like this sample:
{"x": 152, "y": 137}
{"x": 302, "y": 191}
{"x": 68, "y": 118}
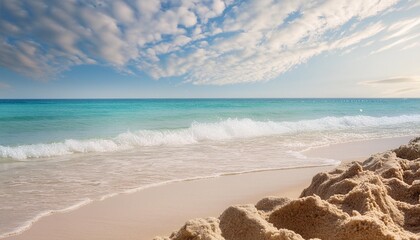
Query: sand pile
{"x": 377, "y": 199}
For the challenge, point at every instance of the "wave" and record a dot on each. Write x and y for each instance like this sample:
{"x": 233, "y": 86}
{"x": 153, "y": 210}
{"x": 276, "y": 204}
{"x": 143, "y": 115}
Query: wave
{"x": 199, "y": 132}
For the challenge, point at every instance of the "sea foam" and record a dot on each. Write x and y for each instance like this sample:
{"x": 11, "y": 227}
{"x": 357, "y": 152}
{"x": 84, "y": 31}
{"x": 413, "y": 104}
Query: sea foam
{"x": 199, "y": 132}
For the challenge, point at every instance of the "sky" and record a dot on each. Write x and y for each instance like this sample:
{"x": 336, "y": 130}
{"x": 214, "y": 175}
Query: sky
{"x": 209, "y": 48}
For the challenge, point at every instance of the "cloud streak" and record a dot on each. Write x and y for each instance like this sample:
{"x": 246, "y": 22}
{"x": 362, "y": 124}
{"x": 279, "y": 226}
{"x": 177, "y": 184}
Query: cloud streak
{"x": 395, "y": 80}
{"x": 203, "y": 42}
{"x": 396, "y": 86}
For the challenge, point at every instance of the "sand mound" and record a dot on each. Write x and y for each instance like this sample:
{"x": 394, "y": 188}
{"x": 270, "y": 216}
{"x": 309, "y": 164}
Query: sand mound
{"x": 198, "y": 229}
{"x": 374, "y": 199}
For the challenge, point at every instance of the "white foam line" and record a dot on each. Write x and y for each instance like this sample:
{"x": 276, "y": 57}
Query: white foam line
{"x": 334, "y": 162}
{"x": 199, "y": 132}
{"x": 27, "y": 225}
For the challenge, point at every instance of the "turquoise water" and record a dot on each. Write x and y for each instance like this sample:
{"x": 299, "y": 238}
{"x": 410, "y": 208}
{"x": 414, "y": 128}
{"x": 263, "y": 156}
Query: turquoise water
{"x": 46, "y": 121}
{"x": 59, "y": 154}
{"x": 36, "y": 121}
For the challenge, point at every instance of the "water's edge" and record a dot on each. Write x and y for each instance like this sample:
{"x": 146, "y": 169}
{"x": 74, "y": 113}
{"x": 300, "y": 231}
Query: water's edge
{"x": 27, "y": 225}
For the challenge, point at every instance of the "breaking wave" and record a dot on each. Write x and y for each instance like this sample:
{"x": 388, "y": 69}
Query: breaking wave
{"x": 199, "y": 132}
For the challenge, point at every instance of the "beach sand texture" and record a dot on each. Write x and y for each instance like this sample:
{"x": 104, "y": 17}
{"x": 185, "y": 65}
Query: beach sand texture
{"x": 375, "y": 199}
{"x": 158, "y": 211}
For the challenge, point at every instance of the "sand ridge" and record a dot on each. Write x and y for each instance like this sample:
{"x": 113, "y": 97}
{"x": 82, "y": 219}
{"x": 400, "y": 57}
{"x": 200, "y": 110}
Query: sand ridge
{"x": 375, "y": 199}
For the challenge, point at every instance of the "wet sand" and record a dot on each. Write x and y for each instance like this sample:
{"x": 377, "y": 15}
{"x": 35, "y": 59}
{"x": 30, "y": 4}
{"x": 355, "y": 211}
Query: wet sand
{"x": 163, "y": 209}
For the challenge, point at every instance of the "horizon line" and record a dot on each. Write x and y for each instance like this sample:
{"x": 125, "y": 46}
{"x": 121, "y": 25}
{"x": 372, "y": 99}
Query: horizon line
{"x": 209, "y": 98}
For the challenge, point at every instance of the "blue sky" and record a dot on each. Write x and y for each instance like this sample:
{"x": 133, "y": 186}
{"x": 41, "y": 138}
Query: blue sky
{"x": 214, "y": 48}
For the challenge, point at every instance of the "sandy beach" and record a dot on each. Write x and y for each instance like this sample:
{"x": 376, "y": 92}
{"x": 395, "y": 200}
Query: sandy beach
{"x": 163, "y": 209}
{"x": 159, "y": 210}
{"x": 209, "y": 120}
{"x": 377, "y": 198}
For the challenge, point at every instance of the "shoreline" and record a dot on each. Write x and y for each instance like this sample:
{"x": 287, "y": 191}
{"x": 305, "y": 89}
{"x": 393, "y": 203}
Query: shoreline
{"x": 377, "y": 198}
{"x": 291, "y": 190}
{"x": 85, "y": 202}
{"x": 158, "y": 209}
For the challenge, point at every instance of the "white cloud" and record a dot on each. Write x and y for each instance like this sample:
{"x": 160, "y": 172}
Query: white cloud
{"x": 402, "y": 27}
{"x": 396, "y": 43}
{"x": 396, "y": 86}
{"x": 412, "y": 45}
{"x": 123, "y": 12}
{"x": 393, "y": 80}
{"x": 411, "y": 4}
{"x": 401, "y": 32}
{"x": 264, "y": 49}
{"x": 204, "y": 42}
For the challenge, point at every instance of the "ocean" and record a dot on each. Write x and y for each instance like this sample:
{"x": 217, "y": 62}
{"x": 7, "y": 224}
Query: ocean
{"x": 56, "y": 155}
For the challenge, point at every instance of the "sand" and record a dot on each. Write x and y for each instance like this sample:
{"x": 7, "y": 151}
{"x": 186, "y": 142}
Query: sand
{"x": 359, "y": 150}
{"x": 373, "y": 199}
{"x": 163, "y": 209}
